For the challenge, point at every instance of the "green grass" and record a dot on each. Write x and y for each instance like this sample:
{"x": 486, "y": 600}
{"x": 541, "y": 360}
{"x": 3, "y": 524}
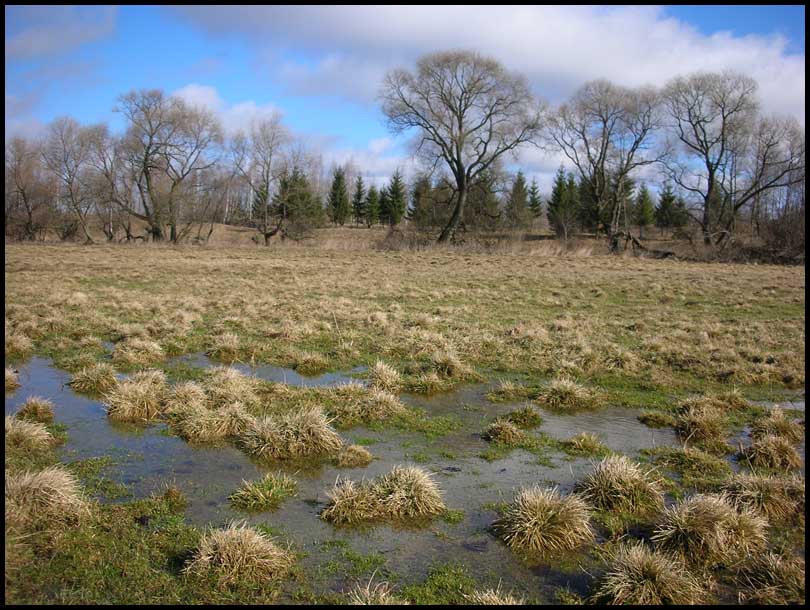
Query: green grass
{"x": 445, "y": 585}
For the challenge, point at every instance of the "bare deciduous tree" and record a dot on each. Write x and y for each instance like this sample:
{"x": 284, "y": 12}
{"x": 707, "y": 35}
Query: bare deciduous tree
{"x": 469, "y": 111}
{"x": 29, "y": 190}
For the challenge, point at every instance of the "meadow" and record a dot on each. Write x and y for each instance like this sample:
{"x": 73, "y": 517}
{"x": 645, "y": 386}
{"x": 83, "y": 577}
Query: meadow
{"x": 305, "y": 424}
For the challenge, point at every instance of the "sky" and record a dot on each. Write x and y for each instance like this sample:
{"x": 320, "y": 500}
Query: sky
{"x": 322, "y": 66}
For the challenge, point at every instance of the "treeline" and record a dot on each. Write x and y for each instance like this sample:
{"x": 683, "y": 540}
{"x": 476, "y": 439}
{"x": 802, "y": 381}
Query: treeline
{"x": 696, "y": 157}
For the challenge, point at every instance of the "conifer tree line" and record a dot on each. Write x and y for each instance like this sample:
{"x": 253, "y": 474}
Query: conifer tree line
{"x": 696, "y": 157}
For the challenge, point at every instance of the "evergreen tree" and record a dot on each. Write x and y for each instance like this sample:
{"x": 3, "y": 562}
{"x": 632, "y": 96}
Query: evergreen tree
{"x": 385, "y": 206}
{"x": 420, "y": 200}
{"x": 665, "y": 210}
{"x": 372, "y": 206}
{"x": 535, "y": 203}
{"x": 482, "y": 212}
{"x": 681, "y": 216}
{"x": 295, "y": 207}
{"x": 358, "y": 201}
{"x": 338, "y": 201}
{"x": 588, "y": 215}
{"x": 643, "y": 212}
{"x": 396, "y": 200}
{"x": 563, "y": 206}
{"x": 517, "y": 205}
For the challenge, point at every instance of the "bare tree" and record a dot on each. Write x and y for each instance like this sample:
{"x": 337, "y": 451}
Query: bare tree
{"x": 607, "y": 133}
{"x": 29, "y": 190}
{"x": 256, "y": 160}
{"x": 469, "y": 111}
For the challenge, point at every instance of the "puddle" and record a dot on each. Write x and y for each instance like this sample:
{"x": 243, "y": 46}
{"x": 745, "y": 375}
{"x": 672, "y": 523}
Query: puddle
{"x": 146, "y": 459}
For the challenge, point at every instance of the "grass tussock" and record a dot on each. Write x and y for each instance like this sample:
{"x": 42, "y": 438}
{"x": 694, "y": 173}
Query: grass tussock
{"x": 353, "y": 456}
{"x": 225, "y": 385}
{"x": 25, "y": 435}
{"x": 773, "y": 453}
{"x": 657, "y": 419}
{"x": 291, "y": 435}
{"x": 564, "y": 394}
{"x": 266, "y": 494}
{"x": 351, "y": 404}
{"x": 135, "y": 351}
{"x": 238, "y": 553}
{"x": 585, "y": 443}
{"x": 494, "y": 597}
{"x": 525, "y": 418}
{"x": 37, "y": 409}
{"x": 18, "y": 346}
{"x": 542, "y": 521}
{"x": 770, "y": 579}
{"x": 699, "y": 420}
{"x": 186, "y": 395}
{"x": 643, "y": 577}
{"x": 508, "y": 391}
{"x": 198, "y": 424}
{"x": 96, "y": 379}
{"x": 384, "y": 377}
{"x": 44, "y": 498}
{"x": 691, "y": 463}
{"x": 505, "y": 432}
{"x": 619, "y": 484}
{"x": 778, "y": 498}
{"x": 776, "y": 423}
{"x": 139, "y": 399}
{"x": 308, "y": 363}
{"x": 405, "y": 493}
{"x": 707, "y": 529}
{"x": 448, "y": 365}
{"x": 224, "y": 347}
{"x": 370, "y": 594}
{"x": 12, "y": 380}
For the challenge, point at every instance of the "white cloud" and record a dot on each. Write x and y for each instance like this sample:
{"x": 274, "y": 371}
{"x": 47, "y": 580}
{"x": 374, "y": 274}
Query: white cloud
{"x": 234, "y": 117}
{"x": 557, "y": 47}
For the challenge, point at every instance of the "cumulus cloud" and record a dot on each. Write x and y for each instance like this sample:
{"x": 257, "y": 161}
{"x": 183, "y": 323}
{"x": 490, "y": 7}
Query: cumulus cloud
{"x": 45, "y": 31}
{"x": 349, "y": 48}
{"x": 234, "y": 117}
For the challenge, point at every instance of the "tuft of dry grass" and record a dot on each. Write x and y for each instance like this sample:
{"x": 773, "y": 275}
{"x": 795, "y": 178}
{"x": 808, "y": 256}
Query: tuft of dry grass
{"x": 566, "y": 395}
{"x": 525, "y": 418}
{"x": 542, "y": 521}
{"x": 45, "y": 498}
{"x": 12, "y": 380}
{"x": 265, "y": 494}
{"x": 619, "y": 484}
{"x": 184, "y": 396}
{"x": 37, "y": 409}
{"x": 407, "y": 492}
{"x": 135, "y": 351}
{"x": 643, "y": 577}
{"x": 585, "y": 443}
{"x": 18, "y": 345}
{"x": 198, "y": 424}
{"x": 384, "y": 377}
{"x": 291, "y": 435}
{"x": 352, "y": 404}
{"x": 776, "y": 423}
{"x": 778, "y": 498}
{"x": 494, "y": 597}
{"x": 708, "y": 529}
{"x": 505, "y": 432}
{"x": 138, "y": 399}
{"x": 308, "y": 363}
{"x": 354, "y": 456}
{"x": 370, "y": 594}
{"x": 699, "y": 420}
{"x": 657, "y": 419}
{"x": 772, "y": 452}
{"x": 27, "y": 436}
{"x": 770, "y": 579}
{"x": 95, "y": 379}
{"x": 224, "y": 347}
{"x": 225, "y": 385}
{"x": 239, "y": 552}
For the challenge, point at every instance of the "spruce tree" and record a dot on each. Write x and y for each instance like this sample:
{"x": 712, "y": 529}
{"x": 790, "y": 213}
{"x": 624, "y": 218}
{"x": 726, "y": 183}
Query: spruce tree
{"x": 643, "y": 212}
{"x": 372, "y": 206}
{"x": 385, "y": 206}
{"x": 563, "y": 206}
{"x": 338, "y": 201}
{"x": 535, "y": 203}
{"x": 396, "y": 200}
{"x": 517, "y": 205}
{"x": 665, "y": 210}
{"x": 358, "y": 201}
{"x": 420, "y": 194}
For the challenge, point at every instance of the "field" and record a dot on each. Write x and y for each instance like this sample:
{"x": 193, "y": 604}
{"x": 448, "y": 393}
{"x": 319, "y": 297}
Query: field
{"x": 489, "y": 373}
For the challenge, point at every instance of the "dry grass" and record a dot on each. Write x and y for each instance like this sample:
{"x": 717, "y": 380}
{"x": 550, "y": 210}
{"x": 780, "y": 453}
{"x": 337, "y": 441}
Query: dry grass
{"x": 542, "y": 521}
{"x": 37, "y": 409}
{"x": 352, "y": 403}
{"x": 239, "y": 553}
{"x": 18, "y": 346}
{"x": 778, "y": 498}
{"x": 619, "y": 484}
{"x": 708, "y": 529}
{"x": 12, "y": 381}
{"x": 585, "y": 443}
{"x": 354, "y": 456}
{"x": 405, "y": 493}
{"x": 227, "y": 385}
{"x": 265, "y": 494}
{"x": 384, "y": 377}
{"x": 565, "y": 395}
{"x": 27, "y": 436}
{"x": 776, "y": 423}
{"x": 370, "y": 594}
{"x": 770, "y": 579}
{"x": 525, "y": 418}
{"x": 45, "y": 498}
{"x": 494, "y": 597}
{"x": 224, "y": 347}
{"x": 700, "y": 420}
{"x": 772, "y": 452}
{"x": 139, "y": 399}
{"x": 505, "y": 432}
{"x": 198, "y": 424}
{"x": 135, "y": 351}
{"x": 95, "y": 379}
{"x": 643, "y": 577}
{"x": 290, "y": 435}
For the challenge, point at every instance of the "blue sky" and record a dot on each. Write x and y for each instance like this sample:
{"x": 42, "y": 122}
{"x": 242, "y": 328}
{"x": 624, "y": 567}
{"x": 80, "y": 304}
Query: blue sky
{"x": 321, "y": 66}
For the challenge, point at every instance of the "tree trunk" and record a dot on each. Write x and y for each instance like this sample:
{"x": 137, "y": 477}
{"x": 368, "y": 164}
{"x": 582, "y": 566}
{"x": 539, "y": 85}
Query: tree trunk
{"x": 450, "y": 230}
